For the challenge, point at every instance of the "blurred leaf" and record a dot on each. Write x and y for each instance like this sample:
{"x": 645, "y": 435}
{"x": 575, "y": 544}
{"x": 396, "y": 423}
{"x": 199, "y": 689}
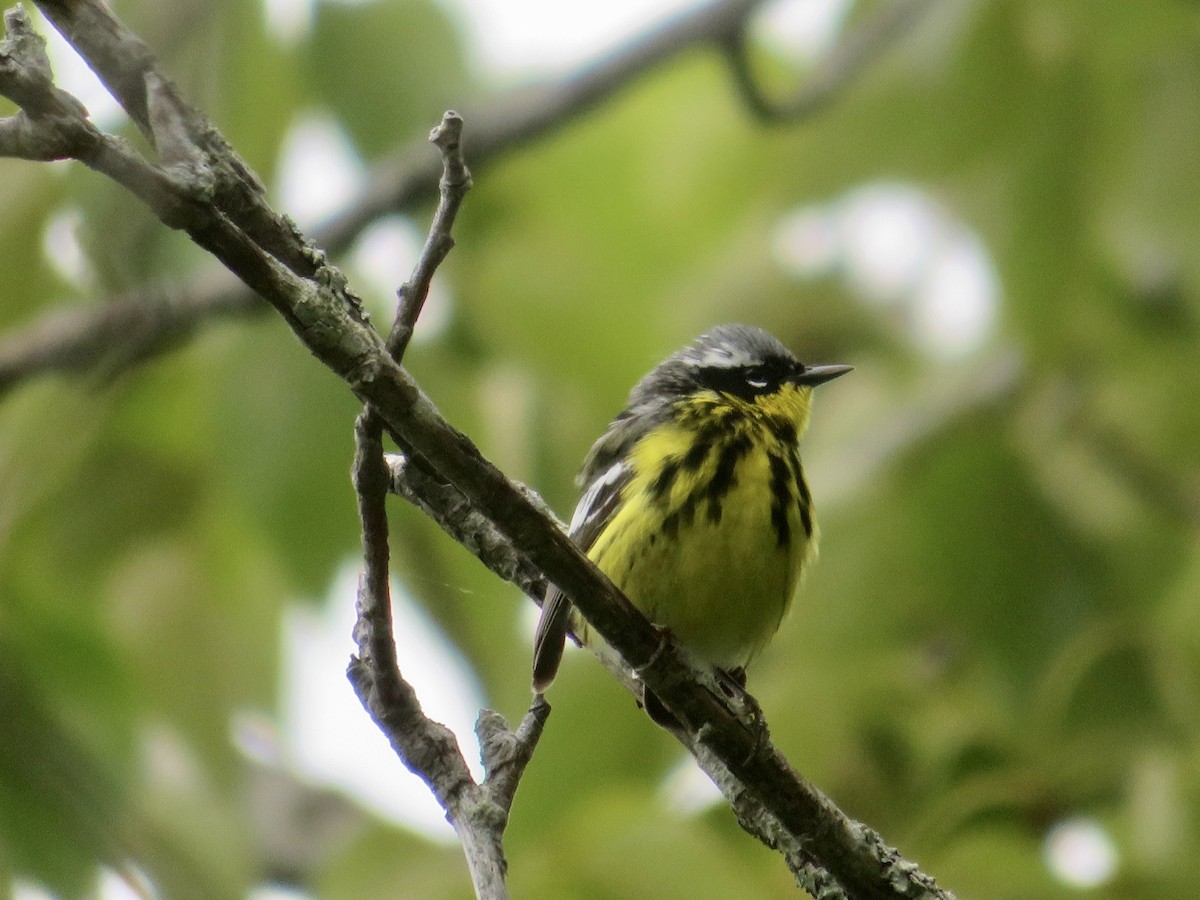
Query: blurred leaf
{"x": 28, "y": 199}
{"x": 1002, "y": 627}
{"x": 626, "y": 846}
{"x": 388, "y": 70}
{"x": 59, "y": 812}
{"x": 385, "y": 863}
{"x": 284, "y": 441}
{"x": 256, "y": 95}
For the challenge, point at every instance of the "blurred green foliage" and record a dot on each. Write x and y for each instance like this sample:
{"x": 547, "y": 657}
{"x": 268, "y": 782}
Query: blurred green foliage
{"x": 1004, "y": 628}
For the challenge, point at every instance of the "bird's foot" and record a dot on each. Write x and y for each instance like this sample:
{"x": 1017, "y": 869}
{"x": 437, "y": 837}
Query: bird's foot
{"x": 733, "y": 685}
{"x": 649, "y": 700}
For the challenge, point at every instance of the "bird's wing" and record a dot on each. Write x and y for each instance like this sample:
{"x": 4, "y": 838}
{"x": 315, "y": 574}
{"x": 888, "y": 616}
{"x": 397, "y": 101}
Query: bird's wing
{"x": 593, "y": 512}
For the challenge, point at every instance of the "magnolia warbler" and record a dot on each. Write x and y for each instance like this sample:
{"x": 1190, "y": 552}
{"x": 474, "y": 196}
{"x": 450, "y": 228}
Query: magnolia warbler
{"x": 695, "y": 504}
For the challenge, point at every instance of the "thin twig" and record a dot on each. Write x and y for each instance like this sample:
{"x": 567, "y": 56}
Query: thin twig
{"x": 479, "y": 813}
{"x": 375, "y": 667}
{"x": 851, "y": 58}
{"x": 325, "y": 318}
{"x": 505, "y": 752}
{"x": 453, "y": 186}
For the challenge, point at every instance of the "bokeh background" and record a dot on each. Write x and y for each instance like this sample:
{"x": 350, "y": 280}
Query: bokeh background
{"x": 996, "y": 662}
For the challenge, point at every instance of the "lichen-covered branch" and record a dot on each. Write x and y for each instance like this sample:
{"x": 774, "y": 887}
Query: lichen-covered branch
{"x": 326, "y": 317}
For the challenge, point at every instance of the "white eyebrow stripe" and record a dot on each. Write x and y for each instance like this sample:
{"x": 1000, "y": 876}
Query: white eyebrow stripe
{"x": 723, "y": 358}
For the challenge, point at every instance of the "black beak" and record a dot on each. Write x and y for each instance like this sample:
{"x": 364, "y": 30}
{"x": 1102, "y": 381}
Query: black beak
{"x": 814, "y": 375}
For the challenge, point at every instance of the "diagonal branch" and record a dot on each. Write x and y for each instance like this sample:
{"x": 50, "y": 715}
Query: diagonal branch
{"x": 326, "y": 318}
{"x": 446, "y": 505}
{"x": 140, "y": 324}
{"x": 131, "y": 328}
{"x": 180, "y": 133}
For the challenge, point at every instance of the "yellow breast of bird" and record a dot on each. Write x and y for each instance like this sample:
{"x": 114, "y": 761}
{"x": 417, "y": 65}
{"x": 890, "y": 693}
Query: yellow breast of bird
{"x": 712, "y": 534}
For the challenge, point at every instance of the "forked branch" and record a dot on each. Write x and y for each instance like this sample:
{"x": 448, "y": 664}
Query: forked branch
{"x": 204, "y": 189}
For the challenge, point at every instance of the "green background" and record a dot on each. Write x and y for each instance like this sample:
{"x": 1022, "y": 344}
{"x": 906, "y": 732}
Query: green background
{"x": 1003, "y": 631}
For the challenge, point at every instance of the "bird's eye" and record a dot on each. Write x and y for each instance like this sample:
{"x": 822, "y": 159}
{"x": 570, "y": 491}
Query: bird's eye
{"x": 757, "y": 377}
{"x": 747, "y": 381}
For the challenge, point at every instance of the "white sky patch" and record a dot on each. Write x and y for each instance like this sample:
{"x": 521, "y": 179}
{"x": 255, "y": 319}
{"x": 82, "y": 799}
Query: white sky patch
{"x": 72, "y": 74}
{"x": 110, "y": 885}
{"x": 802, "y": 30}
{"x": 1081, "y": 853}
{"x": 319, "y": 169}
{"x": 381, "y": 260}
{"x": 276, "y": 892}
{"x": 64, "y": 252}
{"x": 524, "y": 37}
{"x": 521, "y": 37}
{"x": 327, "y": 736}
{"x": 687, "y": 790}
{"x": 288, "y": 21}
{"x": 131, "y": 885}
{"x": 23, "y": 889}
{"x": 898, "y": 249}
{"x": 954, "y": 307}
{"x": 887, "y": 234}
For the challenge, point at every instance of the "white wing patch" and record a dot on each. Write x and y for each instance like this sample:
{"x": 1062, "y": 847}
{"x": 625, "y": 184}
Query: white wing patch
{"x": 597, "y": 500}
{"x": 593, "y": 512}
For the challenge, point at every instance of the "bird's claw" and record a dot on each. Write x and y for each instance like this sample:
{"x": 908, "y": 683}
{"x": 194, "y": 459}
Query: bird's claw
{"x": 733, "y": 685}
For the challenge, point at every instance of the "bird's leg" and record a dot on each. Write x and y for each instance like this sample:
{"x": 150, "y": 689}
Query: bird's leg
{"x": 737, "y": 675}
{"x": 656, "y": 711}
{"x": 733, "y": 684}
{"x": 649, "y": 700}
